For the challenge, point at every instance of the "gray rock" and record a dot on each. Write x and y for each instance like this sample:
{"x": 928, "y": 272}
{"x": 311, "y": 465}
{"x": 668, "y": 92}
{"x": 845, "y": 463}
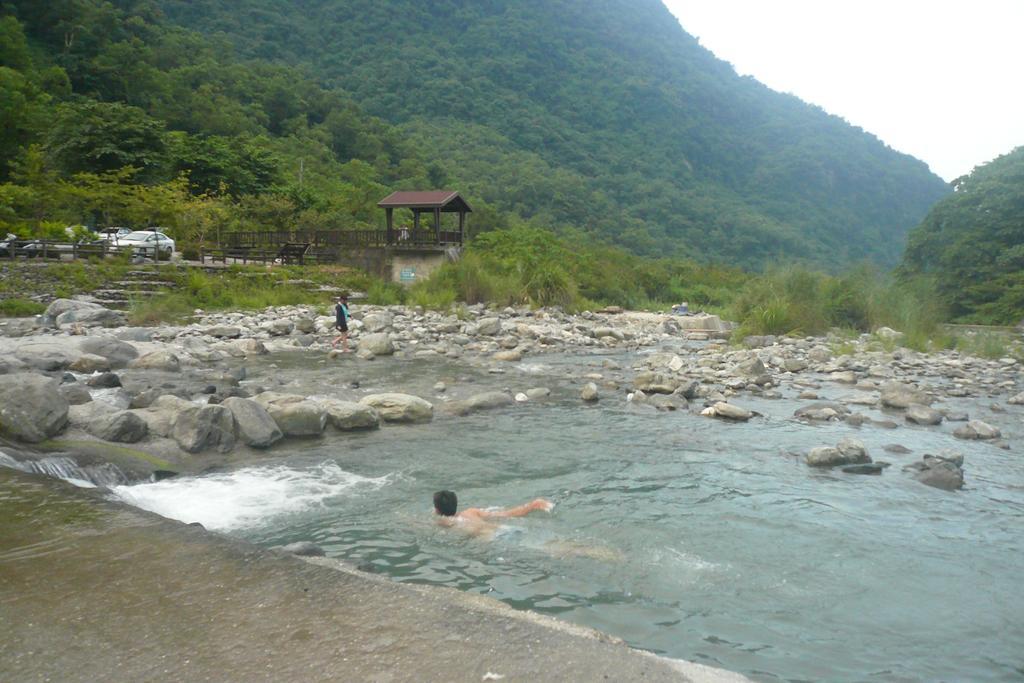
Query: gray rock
{"x": 60, "y": 306}
{"x": 97, "y": 317}
{"x": 489, "y": 326}
{"x": 75, "y": 394}
{"x": 589, "y": 393}
{"x": 32, "y": 408}
{"x": 752, "y": 367}
{"x": 794, "y": 365}
{"x": 253, "y": 424}
{"x": 104, "y": 380}
{"x": 378, "y": 344}
{"x": 485, "y": 401}
{"x": 688, "y": 389}
{"x": 847, "y": 452}
{"x": 655, "y": 383}
{"x": 844, "y": 377}
{"x": 299, "y": 418}
{"x": 538, "y": 393}
{"x": 820, "y": 354}
{"x": 941, "y": 472}
{"x": 728, "y": 411}
{"x": 48, "y": 355}
{"x": 224, "y": 331}
{"x": 1017, "y": 400}
{"x": 278, "y": 328}
{"x": 396, "y": 407}
{"x": 157, "y": 360}
{"x": 865, "y": 468}
{"x": 199, "y": 428}
{"x": 89, "y": 362}
{"x": 348, "y": 416}
{"x": 901, "y": 396}
{"x": 117, "y": 352}
{"x": 511, "y": 355}
{"x": 895, "y": 448}
{"x": 121, "y": 427}
{"x": 305, "y": 325}
{"x": 378, "y": 322}
{"x": 822, "y": 411}
{"x": 163, "y": 412}
{"x": 976, "y": 429}
{"x": 923, "y": 415}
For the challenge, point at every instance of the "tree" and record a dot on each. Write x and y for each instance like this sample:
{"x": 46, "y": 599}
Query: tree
{"x": 96, "y": 137}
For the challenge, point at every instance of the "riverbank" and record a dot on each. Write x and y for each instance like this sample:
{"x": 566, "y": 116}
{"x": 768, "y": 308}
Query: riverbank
{"x": 146, "y": 598}
{"x": 184, "y": 398}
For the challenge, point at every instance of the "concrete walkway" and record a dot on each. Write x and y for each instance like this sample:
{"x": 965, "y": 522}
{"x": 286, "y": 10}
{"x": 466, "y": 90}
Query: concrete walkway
{"x": 92, "y": 590}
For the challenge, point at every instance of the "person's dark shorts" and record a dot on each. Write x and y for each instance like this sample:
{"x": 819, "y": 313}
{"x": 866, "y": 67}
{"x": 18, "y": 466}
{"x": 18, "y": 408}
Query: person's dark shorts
{"x": 341, "y": 325}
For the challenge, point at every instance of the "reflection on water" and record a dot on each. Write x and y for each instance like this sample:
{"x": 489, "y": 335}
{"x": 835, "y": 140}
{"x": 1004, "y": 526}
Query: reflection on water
{"x": 681, "y": 534}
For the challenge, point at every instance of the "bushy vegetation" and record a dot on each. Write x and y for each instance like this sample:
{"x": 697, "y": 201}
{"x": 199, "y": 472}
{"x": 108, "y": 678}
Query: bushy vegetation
{"x": 971, "y": 245}
{"x": 795, "y": 300}
{"x": 20, "y": 308}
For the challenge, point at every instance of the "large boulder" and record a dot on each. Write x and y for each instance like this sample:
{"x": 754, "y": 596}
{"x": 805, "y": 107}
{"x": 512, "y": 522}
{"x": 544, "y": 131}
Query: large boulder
{"x": 348, "y": 416}
{"x": 89, "y": 362}
{"x": 822, "y": 411}
{"x": 847, "y": 452}
{"x": 60, "y": 306}
{"x": 902, "y": 396}
{"x": 378, "y": 322}
{"x": 49, "y": 355}
{"x": 485, "y": 401}
{"x": 394, "y": 407}
{"x": 157, "y": 360}
{"x": 728, "y": 411}
{"x": 122, "y": 426}
{"x": 976, "y": 429}
{"x": 253, "y": 424}
{"x": 942, "y": 471}
{"x": 295, "y": 415}
{"x": 589, "y": 393}
{"x": 203, "y": 427}
{"x": 489, "y": 326}
{"x": 162, "y": 413}
{"x": 278, "y": 328}
{"x": 224, "y": 331}
{"x": 655, "y": 383}
{"x": 32, "y": 408}
{"x": 92, "y": 317}
{"x": 923, "y": 415}
{"x": 378, "y": 344}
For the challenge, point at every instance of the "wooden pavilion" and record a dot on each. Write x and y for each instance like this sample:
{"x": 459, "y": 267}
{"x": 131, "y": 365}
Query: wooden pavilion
{"x": 433, "y": 202}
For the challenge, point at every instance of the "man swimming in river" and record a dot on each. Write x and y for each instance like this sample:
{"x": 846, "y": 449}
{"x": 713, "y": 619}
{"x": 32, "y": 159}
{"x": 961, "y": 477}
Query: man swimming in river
{"x": 476, "y": 521}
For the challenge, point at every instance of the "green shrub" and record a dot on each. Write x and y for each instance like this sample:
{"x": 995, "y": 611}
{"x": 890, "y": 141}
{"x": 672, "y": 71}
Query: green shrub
{"x": 384, "y": 293}
{"x": 20, "y": 308}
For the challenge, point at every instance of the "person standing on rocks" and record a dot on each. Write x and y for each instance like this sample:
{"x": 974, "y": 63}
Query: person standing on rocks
{"x": 341, "y": 317}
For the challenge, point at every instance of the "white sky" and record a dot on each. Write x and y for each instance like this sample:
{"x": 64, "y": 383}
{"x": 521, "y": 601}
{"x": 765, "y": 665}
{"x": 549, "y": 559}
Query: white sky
{"x": 941, "y": 80}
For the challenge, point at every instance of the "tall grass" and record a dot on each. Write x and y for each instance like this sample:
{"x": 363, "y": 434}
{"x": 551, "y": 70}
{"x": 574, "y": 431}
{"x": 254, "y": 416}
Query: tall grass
{"x": 794, "y": 300}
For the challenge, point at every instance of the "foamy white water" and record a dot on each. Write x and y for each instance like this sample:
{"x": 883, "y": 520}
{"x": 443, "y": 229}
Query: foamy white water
{"x": 247, "y": 497}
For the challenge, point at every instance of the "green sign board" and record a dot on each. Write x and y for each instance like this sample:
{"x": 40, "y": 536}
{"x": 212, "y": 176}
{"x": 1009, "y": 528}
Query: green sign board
{"x": 407, "y": 275}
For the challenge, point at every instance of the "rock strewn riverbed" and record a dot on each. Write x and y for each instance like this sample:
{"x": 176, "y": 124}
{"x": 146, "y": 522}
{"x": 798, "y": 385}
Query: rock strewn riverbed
{"x": 178, "y": 396}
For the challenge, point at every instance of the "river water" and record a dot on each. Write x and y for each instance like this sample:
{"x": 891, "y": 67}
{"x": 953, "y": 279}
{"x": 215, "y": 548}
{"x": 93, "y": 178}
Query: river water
{"x": 683, "y": 535}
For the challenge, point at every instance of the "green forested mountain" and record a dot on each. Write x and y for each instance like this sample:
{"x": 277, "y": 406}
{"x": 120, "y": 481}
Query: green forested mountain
{"x": 601, "y": 114}
{"x": 972, "y": 244}
{"x": 601, "y": 119}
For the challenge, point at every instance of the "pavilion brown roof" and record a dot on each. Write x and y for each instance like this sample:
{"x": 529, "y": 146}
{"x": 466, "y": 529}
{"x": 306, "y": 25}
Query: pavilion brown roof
{"x": 442, "y": 199}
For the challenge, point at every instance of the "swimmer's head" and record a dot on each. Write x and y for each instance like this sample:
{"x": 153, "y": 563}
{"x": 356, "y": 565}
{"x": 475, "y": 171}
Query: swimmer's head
{"x": 446, "y": 503}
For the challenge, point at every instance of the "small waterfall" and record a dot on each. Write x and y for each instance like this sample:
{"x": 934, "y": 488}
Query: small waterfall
{"x": 102, "y": 475}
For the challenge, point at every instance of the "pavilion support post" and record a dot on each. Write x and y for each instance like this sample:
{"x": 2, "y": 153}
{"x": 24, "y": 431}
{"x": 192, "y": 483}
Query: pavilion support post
{"x": 462, "y": 226}
{"x": 437, "y": 225}
{"x": 415, "y": 220}
{"x": 391, "y": 225}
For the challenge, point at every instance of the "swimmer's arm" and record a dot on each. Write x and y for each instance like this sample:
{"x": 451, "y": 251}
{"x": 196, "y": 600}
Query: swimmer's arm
{"x": 522, "y": 510}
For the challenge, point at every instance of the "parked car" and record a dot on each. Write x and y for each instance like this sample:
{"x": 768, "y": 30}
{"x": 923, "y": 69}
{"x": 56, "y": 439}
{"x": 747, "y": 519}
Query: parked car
{"x": 113, "y": 235}
{"x": 28, "y": 248}
{"x": 147, "y": 242}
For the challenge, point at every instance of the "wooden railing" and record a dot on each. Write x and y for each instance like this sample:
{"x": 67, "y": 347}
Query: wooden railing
{"x": 320, "y": 239}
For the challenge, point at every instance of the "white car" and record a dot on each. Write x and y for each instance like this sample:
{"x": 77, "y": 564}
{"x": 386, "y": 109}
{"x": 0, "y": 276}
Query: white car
{"x": 147, "y": 242}
{"x": 114, "y": 235}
